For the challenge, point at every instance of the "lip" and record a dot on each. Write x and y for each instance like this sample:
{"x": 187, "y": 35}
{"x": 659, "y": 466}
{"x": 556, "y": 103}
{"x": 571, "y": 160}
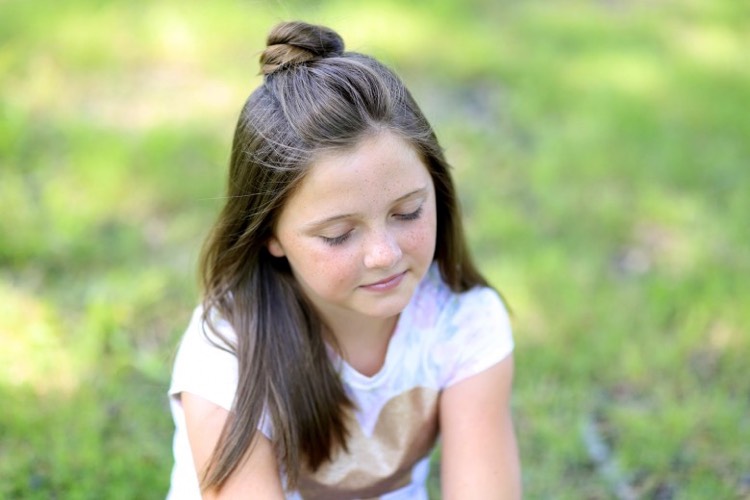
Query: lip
{"x": 386, "y": 284}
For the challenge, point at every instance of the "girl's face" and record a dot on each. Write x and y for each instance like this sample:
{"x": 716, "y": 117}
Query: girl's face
{"x": 359, "y": 232}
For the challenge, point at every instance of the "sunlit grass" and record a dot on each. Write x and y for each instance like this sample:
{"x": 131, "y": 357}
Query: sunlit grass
{"x": 600, "y": 151}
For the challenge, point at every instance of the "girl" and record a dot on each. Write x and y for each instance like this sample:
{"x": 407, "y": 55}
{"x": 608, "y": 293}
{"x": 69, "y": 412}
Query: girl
{"x": 343, "y": 322}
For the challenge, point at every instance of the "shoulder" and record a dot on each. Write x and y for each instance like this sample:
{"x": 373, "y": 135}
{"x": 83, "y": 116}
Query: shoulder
{"x": 208, "y": 338}
{"x": 436, "y": 306}
{"x": 205, "y": 363}
{"x": 476, "y": 310}
{"x": 209, "y": 329}
{"x": 463, "y": 332}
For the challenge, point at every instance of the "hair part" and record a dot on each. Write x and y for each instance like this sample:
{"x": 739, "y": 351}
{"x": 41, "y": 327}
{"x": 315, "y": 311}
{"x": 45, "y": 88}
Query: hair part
{"x": 314, "y": 97}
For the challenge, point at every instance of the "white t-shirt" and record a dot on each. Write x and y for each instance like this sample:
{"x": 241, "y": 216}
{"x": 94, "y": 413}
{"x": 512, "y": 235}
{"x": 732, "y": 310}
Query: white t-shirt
{"x": 441, "y": 338}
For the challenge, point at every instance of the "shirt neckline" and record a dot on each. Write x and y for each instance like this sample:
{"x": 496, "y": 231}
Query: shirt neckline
{"x": 393, "y": 352}
{"x": 395, "y": 349}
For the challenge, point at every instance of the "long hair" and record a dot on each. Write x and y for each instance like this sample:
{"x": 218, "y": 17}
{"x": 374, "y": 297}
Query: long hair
{"x": 314, "y": 97}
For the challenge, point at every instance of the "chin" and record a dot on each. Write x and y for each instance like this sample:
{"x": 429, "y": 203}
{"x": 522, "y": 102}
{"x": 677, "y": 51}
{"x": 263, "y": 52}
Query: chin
{"x": 390, "y": 306}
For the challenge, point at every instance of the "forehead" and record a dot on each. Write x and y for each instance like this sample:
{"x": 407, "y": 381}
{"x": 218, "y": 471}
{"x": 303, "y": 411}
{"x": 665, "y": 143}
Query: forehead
{"x": 379, "y": 169}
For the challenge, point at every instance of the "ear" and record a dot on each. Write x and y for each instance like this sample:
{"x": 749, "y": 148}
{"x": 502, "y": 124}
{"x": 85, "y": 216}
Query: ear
{"x": 274, "y": 247}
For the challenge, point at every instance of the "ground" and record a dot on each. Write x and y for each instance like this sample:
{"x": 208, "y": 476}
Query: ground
{"x": 599, "y": 149}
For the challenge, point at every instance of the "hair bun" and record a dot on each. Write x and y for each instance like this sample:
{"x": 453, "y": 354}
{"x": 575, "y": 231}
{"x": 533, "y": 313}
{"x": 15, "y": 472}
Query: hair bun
{"x": 297, "y": 42}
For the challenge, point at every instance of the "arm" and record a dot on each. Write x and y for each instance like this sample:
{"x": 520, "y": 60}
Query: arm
{"x": 258, "y": 473}
{"x": 479, "y": 452}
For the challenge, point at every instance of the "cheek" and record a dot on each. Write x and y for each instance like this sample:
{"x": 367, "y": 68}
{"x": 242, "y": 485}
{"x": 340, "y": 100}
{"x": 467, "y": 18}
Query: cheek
{"x": 329, "y": 269}
{"x": 421, "y": 240}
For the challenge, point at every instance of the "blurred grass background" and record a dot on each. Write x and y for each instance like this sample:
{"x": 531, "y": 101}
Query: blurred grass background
{"x": 601, "y": 149}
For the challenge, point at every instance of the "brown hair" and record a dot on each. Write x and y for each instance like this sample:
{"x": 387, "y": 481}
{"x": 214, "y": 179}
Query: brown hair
{"x": 314, "y": 96}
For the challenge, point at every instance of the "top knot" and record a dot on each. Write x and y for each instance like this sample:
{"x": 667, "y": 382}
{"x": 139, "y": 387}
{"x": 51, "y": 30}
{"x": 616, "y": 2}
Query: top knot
{"x": 297, "y": 42}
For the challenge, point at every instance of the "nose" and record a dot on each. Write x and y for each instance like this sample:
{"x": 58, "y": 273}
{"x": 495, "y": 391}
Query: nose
{"x": 383, "y": 251}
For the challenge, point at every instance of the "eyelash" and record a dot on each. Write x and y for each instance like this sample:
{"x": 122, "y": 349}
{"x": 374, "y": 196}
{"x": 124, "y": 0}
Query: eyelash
{"x": 338, "y": 240}
{"x": 411, "y": 215}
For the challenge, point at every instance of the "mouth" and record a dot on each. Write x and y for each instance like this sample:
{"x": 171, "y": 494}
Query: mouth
{"x": 386, "y": 284}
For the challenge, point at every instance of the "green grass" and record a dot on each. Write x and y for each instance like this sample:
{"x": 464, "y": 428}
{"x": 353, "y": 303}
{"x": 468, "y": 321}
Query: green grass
{"x": 600, "y": 149}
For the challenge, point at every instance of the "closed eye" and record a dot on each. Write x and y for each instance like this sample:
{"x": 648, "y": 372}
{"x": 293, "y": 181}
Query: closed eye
{"x": 411, "y": 215}
{"x": 336, "y": 240}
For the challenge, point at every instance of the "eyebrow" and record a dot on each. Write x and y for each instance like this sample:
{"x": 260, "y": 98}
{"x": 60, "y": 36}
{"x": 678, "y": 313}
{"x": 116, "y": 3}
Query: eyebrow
{"x": 328, "y": 220}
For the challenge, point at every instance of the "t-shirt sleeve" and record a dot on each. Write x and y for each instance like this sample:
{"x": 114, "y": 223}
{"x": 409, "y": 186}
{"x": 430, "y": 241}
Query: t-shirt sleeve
{"x": 202, "y": 367}
{"x": 480, "y": 334}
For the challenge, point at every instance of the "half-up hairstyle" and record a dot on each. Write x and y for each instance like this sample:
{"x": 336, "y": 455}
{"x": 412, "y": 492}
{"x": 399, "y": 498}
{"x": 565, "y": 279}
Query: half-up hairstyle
{"x": 314, "y": 97}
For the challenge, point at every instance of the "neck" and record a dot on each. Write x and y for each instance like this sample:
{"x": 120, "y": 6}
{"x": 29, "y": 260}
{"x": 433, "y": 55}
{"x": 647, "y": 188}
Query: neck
{"x": 363, "y": 341}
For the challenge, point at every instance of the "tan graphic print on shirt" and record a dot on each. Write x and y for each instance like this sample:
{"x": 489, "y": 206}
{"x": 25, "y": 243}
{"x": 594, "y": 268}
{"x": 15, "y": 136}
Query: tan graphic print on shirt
{"x": 405, "y": 432}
